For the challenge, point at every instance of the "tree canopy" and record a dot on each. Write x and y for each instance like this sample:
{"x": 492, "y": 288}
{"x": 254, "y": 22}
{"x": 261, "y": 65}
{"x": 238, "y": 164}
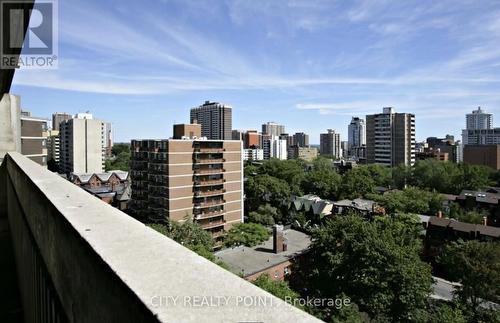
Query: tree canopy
{"x": 247, "y": 234}
{"x": 410, "y": 200}
{"x": 376, "y": 264}
{"x": 476, "y": 265}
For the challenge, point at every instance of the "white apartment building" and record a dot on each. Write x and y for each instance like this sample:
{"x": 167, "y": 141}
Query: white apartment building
{"x": 278, "y": 148}
{"x": 478, "y": 120}
{"x": 82, "y": 144}
{"x": 253, "y": 154}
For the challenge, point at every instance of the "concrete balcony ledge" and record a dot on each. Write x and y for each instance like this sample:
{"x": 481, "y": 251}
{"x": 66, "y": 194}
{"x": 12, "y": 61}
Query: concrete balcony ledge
{"x": 94, "y": 263}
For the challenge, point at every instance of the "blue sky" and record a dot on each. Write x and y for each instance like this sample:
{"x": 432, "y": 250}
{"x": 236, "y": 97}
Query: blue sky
{"x": 307, "y": 64}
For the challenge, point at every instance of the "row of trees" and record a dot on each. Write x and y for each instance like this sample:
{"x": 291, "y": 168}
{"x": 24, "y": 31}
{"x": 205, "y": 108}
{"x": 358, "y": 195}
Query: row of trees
{"x": 270, "y": 185}
{"x": 377, "y": 265}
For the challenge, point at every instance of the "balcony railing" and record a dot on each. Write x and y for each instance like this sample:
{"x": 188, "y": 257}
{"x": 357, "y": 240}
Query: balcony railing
{"x": 217, "y": 234}
{"x": 209, "y": 203}
{"x": 214, "y": 224}
{"x": 208, "y": 171}
{"x": 209, "y": 150}
{"x": 209, "y": 193}
{"x": 207, "y": 215}
{"x": 209, "y": 160}
{"x": 77, "y": 259}
{"x": 209, "y": 182}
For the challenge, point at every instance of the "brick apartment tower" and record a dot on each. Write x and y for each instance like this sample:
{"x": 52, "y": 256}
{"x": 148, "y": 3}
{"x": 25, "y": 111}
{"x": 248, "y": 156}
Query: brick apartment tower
{"x": 188, "y": 177}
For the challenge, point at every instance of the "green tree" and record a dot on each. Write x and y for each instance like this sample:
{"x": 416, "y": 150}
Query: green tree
{"x": 476, "y": 265}
{"x": 290, "y": 171}
{"x": 191, "y": 236}
{"x": 323, "y": 180}
{"x": 401, "y": 176}
{"x": 280, "y": 289}
{"x": 445, "y": 313}
{"x": 410, "y": 200}
{"x": 357, "y": 182}
{"x": 382, "y": 176}
{"x": 119, "y": 148}
{"x": 247, "y": 234}
{"x": 266, "y": 189}
{"x": 188, "y": 233}
{"x": 377, "y": 264}
{"x": 446, "y": 177}
{"x": 119, "y": 162}
{"x": 265, "y": 215}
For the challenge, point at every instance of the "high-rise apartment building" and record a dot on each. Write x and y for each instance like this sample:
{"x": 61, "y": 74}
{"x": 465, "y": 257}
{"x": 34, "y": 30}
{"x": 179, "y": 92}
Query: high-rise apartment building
{"x": 34, "y": 138}
{"x": 251, "y": 139}
{"x": 344, "y": 146}
{"x": 356, "y": 135}
{"x": 288, "y": 139}
{"x": 253, "y": 154}
{"x": 390, "y": 138}
{"x": 237, "y": 134}
{"x": 479, "y": 130}
{"x": 278, "y": 148}
{"x": 215, "y": 119}
{"x": 478, "y": 120}
{"x": 59, "y": 117}
{"x": 108, "y": 139}
{"x": 182, "y": 179}
{"x": 301, "y": 139}
{"x": 82, "y": 145}
{"x": 273, "y": 129}
{"x": 53, "y": 146}
{"x": 329, "y": 144}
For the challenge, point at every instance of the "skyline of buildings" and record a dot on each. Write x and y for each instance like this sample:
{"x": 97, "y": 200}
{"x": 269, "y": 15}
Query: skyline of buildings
{"x": 258, "y": 146}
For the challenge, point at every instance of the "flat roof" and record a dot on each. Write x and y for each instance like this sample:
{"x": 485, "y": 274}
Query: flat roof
{"x": 248, "y": 261}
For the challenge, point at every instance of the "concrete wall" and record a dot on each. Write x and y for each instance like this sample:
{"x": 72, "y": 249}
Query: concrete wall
{"x": 10, "y": 124}
{"x": 81, "y": 260}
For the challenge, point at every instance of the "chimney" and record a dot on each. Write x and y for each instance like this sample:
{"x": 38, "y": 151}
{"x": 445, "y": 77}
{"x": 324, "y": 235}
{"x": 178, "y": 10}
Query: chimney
{"x": 440, "y": 214}
{"x": 485, "y": 220}
{"x": 278, "y": 238}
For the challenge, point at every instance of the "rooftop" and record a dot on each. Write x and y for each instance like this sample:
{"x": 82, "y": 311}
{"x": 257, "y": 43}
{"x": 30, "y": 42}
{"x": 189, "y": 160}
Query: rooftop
{"x": 247, "y": 261}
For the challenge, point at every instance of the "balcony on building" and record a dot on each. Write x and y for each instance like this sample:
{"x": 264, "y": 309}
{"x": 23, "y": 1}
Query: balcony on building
{"x": 208, "y": 213}
{"x": 208, "y": 170}
{"x": 212, "y": 223}
{"x": 208, "y": 182}
{"x": 208, "y": 203}
{"x": 202, "y": 148}
{"x": 209, "y": 192}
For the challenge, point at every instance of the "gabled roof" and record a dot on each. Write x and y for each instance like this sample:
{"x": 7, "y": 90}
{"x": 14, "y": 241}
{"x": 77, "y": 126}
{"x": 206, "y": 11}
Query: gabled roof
{"x": 318, "y": 205}
{"x": 104, "y": 177}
